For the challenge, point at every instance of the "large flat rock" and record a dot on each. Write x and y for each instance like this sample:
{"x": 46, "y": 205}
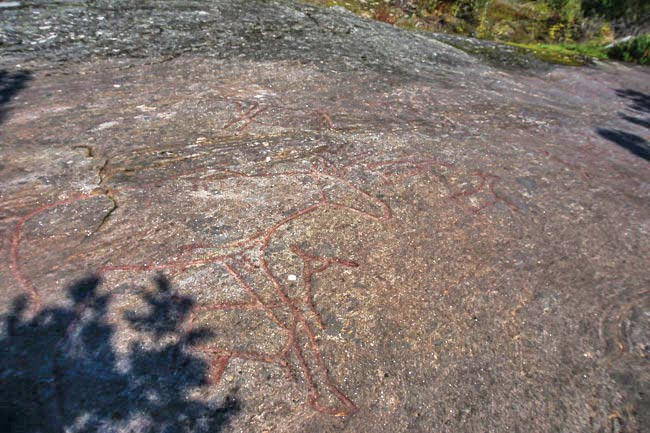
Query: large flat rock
{"x": 257, "y": 216}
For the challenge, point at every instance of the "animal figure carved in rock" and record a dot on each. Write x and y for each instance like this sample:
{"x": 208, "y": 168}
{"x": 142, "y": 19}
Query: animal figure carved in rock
{"x": 213, "y": 210}
{"x": 139, "y": 217}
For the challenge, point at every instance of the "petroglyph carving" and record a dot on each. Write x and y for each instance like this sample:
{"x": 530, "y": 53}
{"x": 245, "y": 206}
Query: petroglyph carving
{"x": 245, "y": 260}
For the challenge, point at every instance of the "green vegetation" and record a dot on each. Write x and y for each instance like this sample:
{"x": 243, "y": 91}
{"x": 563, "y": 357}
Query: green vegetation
{"x": 635, "y": 50}
{"x": 633, "y": 10}
{"x": 566, "y": 54}
{"x": 562, "y": 31}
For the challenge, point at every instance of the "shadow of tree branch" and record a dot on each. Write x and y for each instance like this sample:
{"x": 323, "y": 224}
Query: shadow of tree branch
{"x": 632, "y": 142}
{"x": 60, "y": 372}
{"x": 10, "y": 85}
{"x": 639, "y": 103}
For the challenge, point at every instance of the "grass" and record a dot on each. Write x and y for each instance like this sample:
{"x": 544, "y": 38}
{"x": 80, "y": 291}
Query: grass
{"x": 566, "y": 54}
{"x": 538, "y": 27}
{"x": 636, "y": 50}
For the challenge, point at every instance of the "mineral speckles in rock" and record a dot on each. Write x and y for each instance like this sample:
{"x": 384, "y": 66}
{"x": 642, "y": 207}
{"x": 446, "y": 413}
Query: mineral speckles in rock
{"x": 407, "y": 250}
{"x": 327, "y": 38}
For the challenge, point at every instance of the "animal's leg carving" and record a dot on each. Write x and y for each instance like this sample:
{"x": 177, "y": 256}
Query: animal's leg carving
{"x": 324, "y": 395}
{"x": 312, "y": 265}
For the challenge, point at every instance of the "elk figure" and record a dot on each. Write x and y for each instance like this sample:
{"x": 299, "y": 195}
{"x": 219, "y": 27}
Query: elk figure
{"x": 244, "y": 257}
{"x": 139, "y": 215}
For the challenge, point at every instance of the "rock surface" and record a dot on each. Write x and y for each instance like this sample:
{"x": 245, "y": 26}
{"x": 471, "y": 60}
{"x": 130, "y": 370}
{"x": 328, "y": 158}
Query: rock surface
{"x": 261, "y": 216}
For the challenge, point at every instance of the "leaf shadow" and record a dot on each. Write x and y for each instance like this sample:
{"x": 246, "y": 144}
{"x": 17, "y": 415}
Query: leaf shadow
{"x": 639, "y": 105}
{"x": 10, "y": 84}
{"x": 61, "y": 372}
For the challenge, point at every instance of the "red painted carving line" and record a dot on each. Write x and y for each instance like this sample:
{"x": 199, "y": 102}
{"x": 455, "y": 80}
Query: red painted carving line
{"x": 309, "y": 271}
{"x": 255, "y": 109}
{"x": 292, "y": 344}
{"x": 169, "y": 265}
{"x": 254, "y": 295}
{"x": 28, "y": 287}
{"x": 257, "y": 304}
{"x": 250, "y": 241}
{"x": 202, "y": 180}
{"x": 286, "y": 352}
{"x": 325, "y": 119}
{"x": 242, "y": 115}
{"x": 246, "y": 117}
{"x": 247, "y": 262}
{"x": 246, "y": 355}
{"x": 353, "y": 161}
{"x": 14, "y": 265}
{"x": 386, "y": 214}
{"x": 326, "y": 166}
{"x": 497, "y": 198}
{"x": 422, "y": 166}
{"x": 218, "y": 366}
{"x": 178, "y": 264}
{"x": 321, "y": 192}
{"x": 311, "y": 265}
{"x": 184, "y": 249}
{"x": 307, "y": 274}
{"x": 386, "y": 211}
{"x": 31, "y": 290}
{"x": 349, "y": 406}
{"x": 486, "y": 185}
{"x": 222, "y": 357}
{"x": 244, "y": 245}
{"x": 327, "y": 169}
{"x": 250, "y": 118}
{"x": 391, "y": 177}
{"x": 298, "y": 317}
